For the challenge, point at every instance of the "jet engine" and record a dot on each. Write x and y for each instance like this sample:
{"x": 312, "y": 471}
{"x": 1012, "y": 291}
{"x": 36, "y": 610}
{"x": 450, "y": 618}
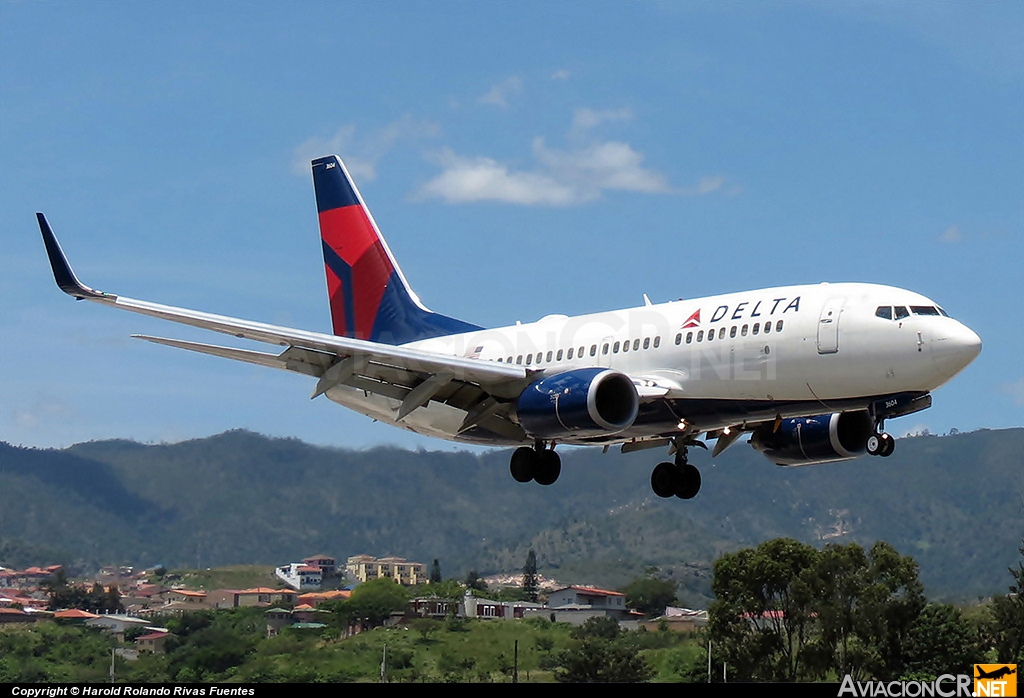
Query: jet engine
{"x": 583, "y": 402}
{"x": 824, "y": 438}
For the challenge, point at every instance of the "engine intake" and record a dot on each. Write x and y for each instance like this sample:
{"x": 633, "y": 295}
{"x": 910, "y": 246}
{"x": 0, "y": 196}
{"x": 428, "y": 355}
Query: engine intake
{"x": 824, "y": 438}
{"x": 584, "y": 402}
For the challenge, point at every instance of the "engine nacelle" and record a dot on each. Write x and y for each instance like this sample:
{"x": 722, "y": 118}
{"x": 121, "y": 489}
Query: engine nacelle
{"x": 584, "y": 402}
{"x": 824, "y": 438}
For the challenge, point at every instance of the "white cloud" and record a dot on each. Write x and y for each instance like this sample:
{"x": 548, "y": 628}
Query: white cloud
{"x": 586, "y": 118}
{"x": 43, "y": 413}
{"x": 562, "y": 74}
{"x": 559, "y": 178}
{"x": 608, "y": 165}
{"x": 500, "y": 94}
{"x": 465, "y": 180}
{"x": 1015, "y": 390}
{"x": 361, "y": 153}
{"x": 952, "y": 235}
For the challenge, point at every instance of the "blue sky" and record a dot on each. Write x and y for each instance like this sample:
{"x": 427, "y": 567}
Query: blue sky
{"x": 521, "y": 158}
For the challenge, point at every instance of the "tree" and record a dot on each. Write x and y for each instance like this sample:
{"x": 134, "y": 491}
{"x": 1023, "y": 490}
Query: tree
{"x": 762, "y": 620}
{"x": 598, "y": 660}
{"x": 435, "y": 572}
{"x": 530, "y": 576}
{"x": 941, "y": 642}
{"x": 650, "y": 596}
{"x": 475, "y": 581}
{"x": 1008, "y": 614}
{"x": 374, "y": 601}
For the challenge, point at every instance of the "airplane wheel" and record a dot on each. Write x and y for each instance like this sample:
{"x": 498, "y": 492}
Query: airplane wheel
{"x": 874, "y": 445}
{"x": 689, "y": 482}
{"x": 548, "y": 467}
{"x": 523, "y": 464}
{"x": 663, "y": 480}
{"x": 888, "y": 445}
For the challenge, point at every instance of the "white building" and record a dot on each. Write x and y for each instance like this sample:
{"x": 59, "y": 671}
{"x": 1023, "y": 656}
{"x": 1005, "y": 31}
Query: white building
{"x": 300, "y": 576}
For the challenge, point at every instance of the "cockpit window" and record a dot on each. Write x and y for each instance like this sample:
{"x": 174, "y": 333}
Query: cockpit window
{"x": 924, "y": 310}
{"x": 901, "y": 312}
{"x": 884, "y": 311}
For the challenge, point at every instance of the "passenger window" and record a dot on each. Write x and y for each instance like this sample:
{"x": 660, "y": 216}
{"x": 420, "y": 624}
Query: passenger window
{"x": 711, "y": 335}
{"x": 689, "y": 337}
{"x": 647, "y": 342}
{"x": 559, "y": 356}
{"x": 757, "y": 326}
{"x": 579, "y": 353}
{"x": 549, "y": 356}
{"x": 604, "y": 349}
{"x": 743, "y": 332}
{"x": 625, "y": 346}
{"x": 884, "y": 311}
{"x": 570, "y": 352}
{"x": 721, "y": 333}
{"x": 732, "y": 332}
{"x": 500, "y": 360}
{"x": 509, "y": 360}
{"x": 519, "y": 359}
{"x": 901, "y": 312}
{"x": 615, "y": 347}
{"x": 700, "y": 336}
{"x": 657, "y": 341}
{"x": 679, "y": 338}
{"x": 767, "y": 327}
{"x": 529, "y": 359}
{"x": 636, "y": 344}
{"x": 540, "y": 356}
{"x": 593, "y": 350}
{"x": 778, "y": 326}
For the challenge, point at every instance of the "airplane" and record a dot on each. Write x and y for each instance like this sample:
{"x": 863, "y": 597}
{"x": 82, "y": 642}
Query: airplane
{"x": 810, "y": 372}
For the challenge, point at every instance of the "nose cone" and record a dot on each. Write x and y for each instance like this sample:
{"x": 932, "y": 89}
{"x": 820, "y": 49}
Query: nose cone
{"x": 954, "y": 348}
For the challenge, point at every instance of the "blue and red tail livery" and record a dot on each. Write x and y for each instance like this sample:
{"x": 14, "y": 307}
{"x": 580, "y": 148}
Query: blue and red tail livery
{"x": 369, "y": 296}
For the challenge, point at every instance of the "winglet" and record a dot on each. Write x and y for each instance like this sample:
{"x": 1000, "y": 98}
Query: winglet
{"x": 62, "y": 272}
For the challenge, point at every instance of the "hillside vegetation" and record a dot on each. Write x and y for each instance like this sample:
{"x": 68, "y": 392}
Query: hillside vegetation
{"x": 956, "y": 503}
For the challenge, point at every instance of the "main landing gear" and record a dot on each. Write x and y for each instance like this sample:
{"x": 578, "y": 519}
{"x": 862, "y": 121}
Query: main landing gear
{"x": 679, "y": 478}
{"x": 539, "y": 464}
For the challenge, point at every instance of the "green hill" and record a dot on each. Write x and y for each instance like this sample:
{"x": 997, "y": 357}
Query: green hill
{"x": 956, "y": 503}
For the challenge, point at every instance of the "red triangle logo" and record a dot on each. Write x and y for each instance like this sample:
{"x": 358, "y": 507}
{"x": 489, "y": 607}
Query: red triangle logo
{"x": 693, "y": 320}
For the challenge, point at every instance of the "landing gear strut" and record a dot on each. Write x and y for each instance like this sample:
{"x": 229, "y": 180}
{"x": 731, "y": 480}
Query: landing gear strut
{"x": 539, "y": 464}
{"x": 679, "y": 478}
{"x": 880, "y": 443}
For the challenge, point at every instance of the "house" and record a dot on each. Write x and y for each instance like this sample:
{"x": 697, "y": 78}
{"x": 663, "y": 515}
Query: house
{"x": 152, "y": 642}
{"x": 258, "y": 596}
{"x": 300, "y": 576}
{"x": 683, "y": 620}
{"x": 316, "y": 598}
{"x": 587, "y": 596}
{"x": 366, "y": 567}
{"x": 577, "y": 604}
{"x": 327, "y": 564}
{"x": 472, "y": 607}
{"x": 74, "y": 616}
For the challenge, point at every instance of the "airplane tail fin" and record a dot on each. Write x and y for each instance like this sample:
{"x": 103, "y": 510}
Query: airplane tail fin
{"x": 370, "y": 298}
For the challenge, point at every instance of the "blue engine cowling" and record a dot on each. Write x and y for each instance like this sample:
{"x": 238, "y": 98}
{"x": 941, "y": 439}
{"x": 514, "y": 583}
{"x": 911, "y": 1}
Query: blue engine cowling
{"x": 584, "y": 402}
{"x": 824, "y": 438}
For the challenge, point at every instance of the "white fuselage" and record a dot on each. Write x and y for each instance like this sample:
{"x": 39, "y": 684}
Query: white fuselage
{"x": 795, "y": 350}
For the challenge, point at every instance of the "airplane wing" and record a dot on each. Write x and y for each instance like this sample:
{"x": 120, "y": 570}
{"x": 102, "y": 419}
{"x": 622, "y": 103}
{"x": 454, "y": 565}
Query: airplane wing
{"x": 411, "y": 375}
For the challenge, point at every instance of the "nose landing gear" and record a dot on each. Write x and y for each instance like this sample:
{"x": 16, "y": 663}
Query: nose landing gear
{"x": 679, "y": 478}
{"x": 881, "y": 444}
{"x": 540, "y": 464}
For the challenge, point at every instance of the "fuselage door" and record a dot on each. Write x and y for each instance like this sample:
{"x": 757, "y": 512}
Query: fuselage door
{"x": 828, "y": 326}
